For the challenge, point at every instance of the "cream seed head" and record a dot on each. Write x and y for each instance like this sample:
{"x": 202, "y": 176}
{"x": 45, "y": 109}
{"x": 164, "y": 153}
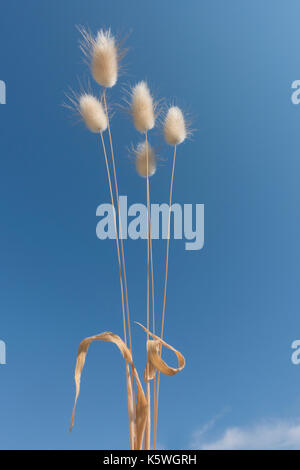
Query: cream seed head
{"x": 92, "y": 113}
{"x": 103, "y": 55}
{"x": 175, "y": 130}
{"x": 142, "y": 107}
{"x": 143, "y": 151}
{"x": 105, "y": 59}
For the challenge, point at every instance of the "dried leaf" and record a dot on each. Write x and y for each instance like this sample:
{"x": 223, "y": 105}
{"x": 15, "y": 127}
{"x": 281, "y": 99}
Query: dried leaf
{"x": 152, "y": 350}
{"x": 141, "y": 403}
{"x": 130, "y": 405}
{"x": 140, "y": 414}
{"x": 154, "y": 360}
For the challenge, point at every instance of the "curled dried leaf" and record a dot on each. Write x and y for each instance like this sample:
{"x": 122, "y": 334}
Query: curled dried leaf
{"x": 141, "y": 403}
{"x": 154, "y": 360}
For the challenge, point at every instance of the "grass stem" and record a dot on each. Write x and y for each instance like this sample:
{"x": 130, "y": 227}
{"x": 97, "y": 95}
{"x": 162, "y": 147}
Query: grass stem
{"x": 120, "y": 230}
{"x": 130, "y": 414}
{"x": 164, "y": 299}
{"x": 148, "y": 425}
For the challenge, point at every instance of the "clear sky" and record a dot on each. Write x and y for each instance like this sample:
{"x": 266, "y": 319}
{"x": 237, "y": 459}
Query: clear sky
{"x": 232, "y": 307}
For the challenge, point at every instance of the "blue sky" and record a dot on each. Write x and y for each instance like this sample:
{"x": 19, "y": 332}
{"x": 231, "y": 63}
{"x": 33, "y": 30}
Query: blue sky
{"x": 232, "y": 307}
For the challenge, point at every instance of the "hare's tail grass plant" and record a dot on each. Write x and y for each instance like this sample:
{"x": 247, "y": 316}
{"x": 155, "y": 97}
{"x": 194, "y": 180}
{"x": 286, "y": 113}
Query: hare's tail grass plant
{"x": 104, "y": 57}
{"x": 104, "y": 54}
{"x": 142, "y": 109}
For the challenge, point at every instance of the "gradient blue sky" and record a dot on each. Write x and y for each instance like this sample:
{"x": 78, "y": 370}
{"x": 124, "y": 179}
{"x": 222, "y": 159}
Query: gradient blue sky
{"x": 233, "y": 307}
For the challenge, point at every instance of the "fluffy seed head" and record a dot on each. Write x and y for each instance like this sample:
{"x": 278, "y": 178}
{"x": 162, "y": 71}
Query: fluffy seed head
{"x": 142, "y": 107}
{"x": 174, "y": 126}
{"x": 142, "y": 151}
{"x": 92, "y": 112}
{"x": 104, "y": 59}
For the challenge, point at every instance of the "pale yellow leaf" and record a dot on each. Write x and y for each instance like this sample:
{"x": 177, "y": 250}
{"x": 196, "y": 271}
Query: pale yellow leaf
{"x": 154, "y": 360}
{"x": 141, "y": 403}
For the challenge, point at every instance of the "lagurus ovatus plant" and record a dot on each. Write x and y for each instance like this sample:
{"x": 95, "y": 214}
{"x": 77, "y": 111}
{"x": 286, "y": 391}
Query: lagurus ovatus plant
{"x": 104, "y": 54}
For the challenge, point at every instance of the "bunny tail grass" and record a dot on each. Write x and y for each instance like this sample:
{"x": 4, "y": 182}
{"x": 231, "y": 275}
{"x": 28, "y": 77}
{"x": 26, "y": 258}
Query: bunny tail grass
{"x": 148, "y": 424}
{"x": 142, "y": 107}
{"x": 145, "y": 161}
{"x": 92, "y": 113}
{"x": 103, "y": 55}
{"x": 175, "y": 129}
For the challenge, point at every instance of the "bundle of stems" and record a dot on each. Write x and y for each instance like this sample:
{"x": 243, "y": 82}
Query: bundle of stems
{"x": 104, "y": 54}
